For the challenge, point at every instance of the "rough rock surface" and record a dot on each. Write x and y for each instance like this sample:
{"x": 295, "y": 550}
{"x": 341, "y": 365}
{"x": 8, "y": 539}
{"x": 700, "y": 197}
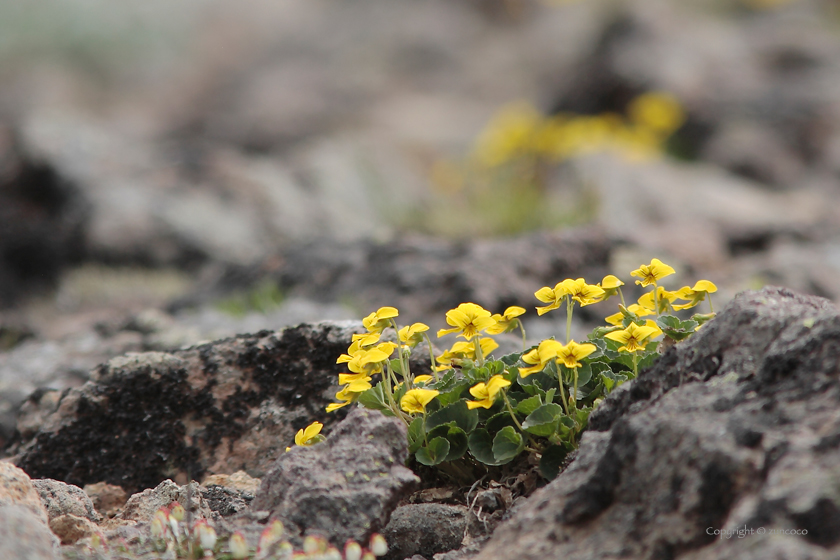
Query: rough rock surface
{"x": 143, "y": 505}
{"x": 23, "y": 534}
{"x": 220, "y": 407}
{"x": 16, "y": 489}
{"x": 424, "y": 276}
{"x": 425, "y": 529}
{"x": 344, "y": 488}
{"x": 735, "y": 429}
{"x": 60, "y": 499}
{"x": 106, "y": 498}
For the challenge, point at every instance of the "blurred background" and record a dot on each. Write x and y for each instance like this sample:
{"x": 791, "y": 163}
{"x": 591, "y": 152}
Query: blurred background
{"x": 177, "y": 172}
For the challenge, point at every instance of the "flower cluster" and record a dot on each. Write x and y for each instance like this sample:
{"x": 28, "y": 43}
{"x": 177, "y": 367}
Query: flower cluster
{"x": 475, "y": 409}
{"x": 171, "y": 538}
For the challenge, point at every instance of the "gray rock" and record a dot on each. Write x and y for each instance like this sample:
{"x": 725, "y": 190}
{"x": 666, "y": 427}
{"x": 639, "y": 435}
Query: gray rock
{"x": 217, "y": 408}
{"x": 60, "y": 498}
{"x": 425, "y": 529}
{"x": 735, "y": 428}
{"x": 143, "y": 505}
{"x": 25, "y": 536}
{"x": 344, "y": 488}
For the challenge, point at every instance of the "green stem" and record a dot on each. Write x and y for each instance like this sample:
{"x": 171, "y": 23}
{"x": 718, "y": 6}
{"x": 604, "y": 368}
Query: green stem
{"x": 562, "y": 392}
{"x": 570, "y": 306}
{"x": 406, "y": 371}
{"x": 510, "y": 410}
{"x": 711, "y": 309}
{"x": 635, "y": 365}
{"x": 432, "y": 357}
{"x": 479, "y": 355}
{"x": 621, "y": 295}
{"x": 522, "y": 328}
{"x": 576, "y": 385}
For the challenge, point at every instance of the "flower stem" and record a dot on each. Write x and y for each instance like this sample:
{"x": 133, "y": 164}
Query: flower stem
{"x": 621, "y": 295}
{"x": 570, "y": 306}
{"x": 510, "y": 410}
{"x": 406, "y": 372}
{"x": 635, "y": 365}
{"x": 522, "y": 328}
{"x": 479, "y": 355}
{"x": 562, "y": 392}
{"x": 711, "y": 309}
{"x": 656, "y": 298}
{"x": 432, "y": 357}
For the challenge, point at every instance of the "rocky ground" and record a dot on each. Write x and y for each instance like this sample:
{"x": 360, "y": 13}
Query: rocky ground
{"x": 174, "y": 206}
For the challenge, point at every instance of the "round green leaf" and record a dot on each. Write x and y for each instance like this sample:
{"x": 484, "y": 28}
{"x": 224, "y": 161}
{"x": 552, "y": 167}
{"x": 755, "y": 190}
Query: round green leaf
{"x": 507, "y": 444}
{"x": 435, "y": 453}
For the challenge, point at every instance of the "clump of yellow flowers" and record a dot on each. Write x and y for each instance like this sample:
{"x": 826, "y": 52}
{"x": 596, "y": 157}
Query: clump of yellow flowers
{"x": 475, "y": 410}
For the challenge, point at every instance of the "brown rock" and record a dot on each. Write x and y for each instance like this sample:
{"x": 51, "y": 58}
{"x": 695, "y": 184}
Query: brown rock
{"x": 16, "y": 489}
{"x": 106, "y": 498}
{"x": 240, "y": 480}
{"x": 71, "y": 528}
{"x": 143, "y": 505}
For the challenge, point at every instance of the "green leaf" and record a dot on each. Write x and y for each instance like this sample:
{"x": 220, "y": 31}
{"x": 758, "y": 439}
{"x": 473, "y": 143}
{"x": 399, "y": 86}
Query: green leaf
{"x": 396, "y": 366}
{"x": 507, "y": 444}
{"x": 674, "y": 328}
{"x": 529, "y": 405}
{"x": 584, "y": 373}
{"x": 551, "y": 461}
{"x": 495, "y": 367}
{"x": 374, "y": 398}
{"x": 544, "y": 420}
{"x": 415, "y": 434}
{"x": 435, "y": 453}
{"x": 458, "y": 443}
{"x": 481, "y": 447}
{"x": 499, "y": 421}
{"x": 549, "y": 395}
{"x": 457, "y": 412}
{"x": 511, "y": 359}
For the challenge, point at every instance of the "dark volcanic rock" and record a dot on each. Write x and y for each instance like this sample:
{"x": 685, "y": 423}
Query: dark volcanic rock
{"x": 424, "y": 276}
{"x": 43, "y": 221}
{"x": 425, "y": 529}
{"x": 735, "y": 429}
{"x": 229, "y": 405}
{"x": 344, "y": 488}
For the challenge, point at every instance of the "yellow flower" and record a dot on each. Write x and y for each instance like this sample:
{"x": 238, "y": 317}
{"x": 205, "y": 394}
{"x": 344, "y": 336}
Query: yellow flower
{"x": 369, "y": 361}
{"x": 309, "y": 435}
{"x": 695, "y": 294}
{"x": 572, "y": 353}
{"x": 632, "y": 337}
{"x": 422, "y": 379}
{"x": 347, "y": 378}
{"x": 634, "y": 308}
{"x": 583, "y": 293}
{"x": 415, "y": 400}
{"x": 469, "y": 319}
{"x": 656, "y": 330}
{"x": 360, "y": 341}
{"x": 657, "y": 111}
{"x": 486, "y": 392}
{"x": 653, "y": 272}
{"x": 552, "y": 296}
{"x": 412, "y": 336}
{"x": 464, "y": 351}
{"x": 377, "y": 321}
{"x": 610, "y": 284}
{"x": 506, "y": 322}
{"x": 664, "y": 297}
{"x": 348, "y": 394}
{"x": 540, "y": 356}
